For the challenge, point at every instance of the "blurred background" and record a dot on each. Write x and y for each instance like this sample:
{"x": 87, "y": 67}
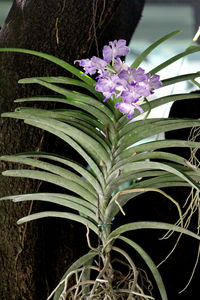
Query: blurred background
{"x": 161, "y": 17}
{"x": 4, "y": 9}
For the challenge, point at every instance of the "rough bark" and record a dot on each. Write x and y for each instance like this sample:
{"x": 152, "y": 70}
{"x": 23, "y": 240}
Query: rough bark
{"x": 34, "y": 256}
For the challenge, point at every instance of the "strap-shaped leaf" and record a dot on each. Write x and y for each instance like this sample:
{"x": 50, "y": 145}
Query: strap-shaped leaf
{"x": 150, "y": 155}
{"x": 52, "y": 168}
{"x": 78, "y": 97}
{"x": 144, "y": 54}
{"x": 166, "y": 180}
{"x": 147, "y": 165}
{"x": 130, "y": 172}
{"x": 76, "y": 147}
{"x": 150, "y": 130}
{"x": 68, "y": 140}
{"x": 169, "y": 181}
{"x": 68, "y": 201}
{"x": 180, "y": 78}
{"x": 151, "y": 225}
{"x": 170, "y": 61}
{"x": 81, "y": 123}
{"x": 92, "y": 147}
{"x": 66, "y": 115}
{"x": 136, "y": 125}
{"x": 98, "y": 114}
{"x": 155, "y": 103}
{"x": 60, "y": 199}
{"x": 116, "y": 178}
{"x": 55, "y": 179}
{"x": 150, "y": 179}
{"x": 99, "y": 136}
{"x": 55, "y": 60}
{"x": 150, "y": 146}
{"x": 137, "y": 128}
{"x": 65, "y": 80}
{"x": 150, "y": 264}
{"x": 58, "y": 214}
{"x": 70, "y": 163}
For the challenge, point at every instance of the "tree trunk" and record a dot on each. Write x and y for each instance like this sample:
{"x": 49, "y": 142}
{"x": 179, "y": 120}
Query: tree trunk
{"x": 33, "y": 257}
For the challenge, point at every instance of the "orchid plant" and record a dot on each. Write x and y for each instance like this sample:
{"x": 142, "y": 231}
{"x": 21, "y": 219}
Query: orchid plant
{"x": 120, "y": 163}
{"x": 117, "y": 80}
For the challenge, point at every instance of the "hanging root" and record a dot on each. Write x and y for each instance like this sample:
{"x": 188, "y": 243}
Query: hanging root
{"x": 143, "y": 190}
{"x": 107, "y": 282}
{"x": 191, "y": 205}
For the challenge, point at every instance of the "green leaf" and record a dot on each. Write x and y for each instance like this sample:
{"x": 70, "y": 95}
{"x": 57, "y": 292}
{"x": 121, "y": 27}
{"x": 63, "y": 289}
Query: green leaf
{"x": 151, "y": 225}
{"x": 131, "y": 137}
{"x": 144, "y": 54}
{"x": 78, "y": 204}
{"x": 150, "y": 146}
{"x": 71, "y": 142}
{"x": 137, "y": 127}
{"x": 180, "y": 78}
{"x": 155, "y": 183}
{"x": 64, "y": 80}
{"x": 93, "y": 132}
{"x": 60, "y": 199}
{"x": 150, "y": 264}
{"x": 76, "y": 147}
{"x": 99, "y": 115}
{"x": 78, "y": 120}
{"x": 136, "y": 170}
{"x": 72, "y": 164}
{"x": 64, "y": 173}
{"x": 66, "y": 115}
{"x": 170, "y": 61}
{"x": 150, "y": 155}
{"x": 115, "y": 178}
{"x": 78, "y": 97}
{"x": 165, "y": 180}
{"x": 58, "y": 214}
{"x": 157, "y": 102}
{"x": 146, "y": 165}
{"x": 55, "y": 60}
{"x": 92, "y": 147}
{"x": 55, "y": 179}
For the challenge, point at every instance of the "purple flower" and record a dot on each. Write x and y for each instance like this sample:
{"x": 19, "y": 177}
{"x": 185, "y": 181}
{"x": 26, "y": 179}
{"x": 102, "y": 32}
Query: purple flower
{"x": 155, "y": 82}
{"x": 130, "y": 94}
{"x": 118, "y": 80}
{"x": 110, "y": 85}
{"x": 144, "y": 88}
{"x": 133, "y": 75}
{"x": 92, "y": 65}
{"x": 128, "y": 108}
{"x": 120, "y": 66}
{"x": 115, "y": 50}
{"x": 137, "y": 75}
{"x": 87, "y": 65}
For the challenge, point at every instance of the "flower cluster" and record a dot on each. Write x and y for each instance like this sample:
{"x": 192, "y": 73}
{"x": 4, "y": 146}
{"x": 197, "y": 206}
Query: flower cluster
{"x": 116, "y": 79}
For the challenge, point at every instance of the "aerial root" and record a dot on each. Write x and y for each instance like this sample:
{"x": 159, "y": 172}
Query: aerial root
{"x": 107, "y": 282}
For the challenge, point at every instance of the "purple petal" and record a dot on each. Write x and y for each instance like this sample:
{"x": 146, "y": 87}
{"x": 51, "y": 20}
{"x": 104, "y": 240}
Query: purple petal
{"x": 107, "y": 54}
{"x": 115, "y": 50}
{"x": 155, "y": 82}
